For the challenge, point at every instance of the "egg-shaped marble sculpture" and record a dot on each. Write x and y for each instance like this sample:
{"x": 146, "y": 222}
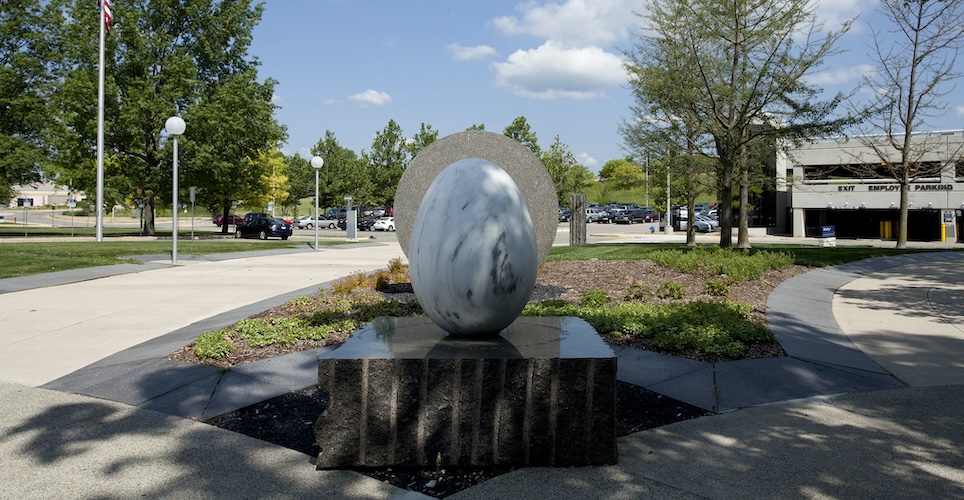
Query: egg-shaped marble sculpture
{"x": 473, "y": 255}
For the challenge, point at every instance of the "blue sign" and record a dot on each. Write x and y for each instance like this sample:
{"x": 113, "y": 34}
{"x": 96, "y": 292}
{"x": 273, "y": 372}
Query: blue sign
{"x": 828, "y": 231}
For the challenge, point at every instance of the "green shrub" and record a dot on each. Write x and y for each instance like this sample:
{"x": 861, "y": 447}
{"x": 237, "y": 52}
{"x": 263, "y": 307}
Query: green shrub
{"x": 398, "y": 270}
{"x": 737, "y": 265}
{"x": 383, "y": 280}
{"x": 671, "y": 290}
{"x": 718, "y": 328}
{"x": 212, "y": 345}
{"x": 638, "y": 292}
{"x": 718, "y": 288}
{"x": 594, "y": 298}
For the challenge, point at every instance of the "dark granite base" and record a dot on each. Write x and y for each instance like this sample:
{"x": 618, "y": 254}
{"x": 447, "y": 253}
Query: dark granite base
{"x": 403, "y": 392}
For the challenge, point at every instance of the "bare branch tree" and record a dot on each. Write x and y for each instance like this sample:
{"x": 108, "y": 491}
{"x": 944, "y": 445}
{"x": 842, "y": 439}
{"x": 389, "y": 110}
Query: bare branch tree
{"x": 915, "y": 56}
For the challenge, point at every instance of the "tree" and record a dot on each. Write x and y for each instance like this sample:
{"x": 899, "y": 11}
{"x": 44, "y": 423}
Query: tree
{"x": 731, "y": 67}
{"x": 478, "y": 126}
{"x": 229, "y": 145}
{"x": 568, "y": 176}
{"x": 626, "y": 175}
{"x": 165, "y": 57}
{"x": 915, "y": 58}
{"x": 27, "y": 54}
{"x": 343, "y": 174}
{"x": 301, "y": 182}
{"x": 520, "y": 131}
{"x": 679, "y": 145}
{"x": 422, "y": 139}
{"x": 387, "y": 159}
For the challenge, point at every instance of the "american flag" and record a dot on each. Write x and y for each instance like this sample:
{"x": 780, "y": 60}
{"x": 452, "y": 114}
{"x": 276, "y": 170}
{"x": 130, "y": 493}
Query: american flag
{"x": 107, "y": 15}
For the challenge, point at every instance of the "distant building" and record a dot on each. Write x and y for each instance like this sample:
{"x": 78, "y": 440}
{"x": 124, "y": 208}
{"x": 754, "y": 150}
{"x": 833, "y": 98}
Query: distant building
{"x": 42, "y": 194}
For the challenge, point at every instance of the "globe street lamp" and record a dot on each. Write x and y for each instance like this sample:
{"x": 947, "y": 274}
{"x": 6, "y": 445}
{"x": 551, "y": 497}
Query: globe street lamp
{"x": 175, "y": 127}
{"x": 317, "y": 162}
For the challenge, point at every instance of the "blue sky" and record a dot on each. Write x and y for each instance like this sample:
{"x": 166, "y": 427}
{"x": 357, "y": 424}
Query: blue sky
{"x": 351, "y": 65}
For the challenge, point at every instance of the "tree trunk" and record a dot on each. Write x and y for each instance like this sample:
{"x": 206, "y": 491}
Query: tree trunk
{"x": 743, "y": 236}
{"x": 149, "y": 217}
{"x": 902, "y": 219}
{"x": 726, "y": 204}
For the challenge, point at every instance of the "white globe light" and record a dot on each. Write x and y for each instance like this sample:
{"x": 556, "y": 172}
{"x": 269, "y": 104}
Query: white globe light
{"x": 317, "y": 162}
{"x": 175, "y": 125}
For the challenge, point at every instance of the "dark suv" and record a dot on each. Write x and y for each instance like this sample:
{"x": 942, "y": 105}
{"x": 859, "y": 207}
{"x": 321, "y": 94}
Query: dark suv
{"x": 263, "y": 227}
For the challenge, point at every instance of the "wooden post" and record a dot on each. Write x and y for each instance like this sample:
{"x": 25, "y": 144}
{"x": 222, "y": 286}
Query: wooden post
{"x": 577, "y": 220}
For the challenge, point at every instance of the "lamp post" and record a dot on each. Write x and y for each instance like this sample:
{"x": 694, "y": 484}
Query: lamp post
{"x": 317, "y": 162}
{"x": 175, "y": 126}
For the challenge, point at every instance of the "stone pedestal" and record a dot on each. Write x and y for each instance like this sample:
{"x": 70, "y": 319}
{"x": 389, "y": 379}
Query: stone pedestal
{"x": 403, "y": 392}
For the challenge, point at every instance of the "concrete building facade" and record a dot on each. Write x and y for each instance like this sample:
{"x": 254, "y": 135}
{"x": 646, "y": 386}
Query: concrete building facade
{"x": 830, "y": 185}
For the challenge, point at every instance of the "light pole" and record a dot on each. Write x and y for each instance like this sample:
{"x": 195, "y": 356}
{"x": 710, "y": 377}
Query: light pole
{"x": 175, "y": 126}
{"x": 317, "y": 162}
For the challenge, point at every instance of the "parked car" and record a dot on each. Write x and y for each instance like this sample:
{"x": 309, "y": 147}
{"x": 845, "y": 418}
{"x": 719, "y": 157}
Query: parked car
{"x": 652, "y": 215}
{"x": 365, "y": 223}
{"x": 714, "y": 223}
{"x": 564, "y": 215}
{"x": 232, "y": 219}
{"x": 631, "y": 217}
{"x": 263, "y": 228}
{"x": 596, "y": 215}
{"x": 254, "y": 215}
{"x": 702, "y": 226}
{"x": 384, "y": 224}
{"x": 308, "y": 222}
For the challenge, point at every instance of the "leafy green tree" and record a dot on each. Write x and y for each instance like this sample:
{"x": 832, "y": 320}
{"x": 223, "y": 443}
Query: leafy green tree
{"x": 166, "y": 57}
{"x": 568, "y": 176}
{"x": 519, "y": 130}
{"x": 301, "y": 182}
{"x": 27, "y": 54}
{"x": 387, "y": 159}
{"x": 607, "y": 170}
{"x": 732, "y": 67}
{"x": 343, "y": 174}
{"x": 229, "y": 144}
{"x": 478, "y": 126}
{"x": 626, "y": 175}
{"x": 422, "y": 139}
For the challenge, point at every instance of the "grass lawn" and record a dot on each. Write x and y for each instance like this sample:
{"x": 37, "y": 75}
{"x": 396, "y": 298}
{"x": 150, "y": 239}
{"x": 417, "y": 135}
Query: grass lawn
{"x": 23, "y": 259}
{"x": 804, "y": 255}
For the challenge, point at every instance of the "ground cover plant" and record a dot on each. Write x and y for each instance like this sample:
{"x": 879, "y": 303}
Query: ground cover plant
{"x": 708, "y": 318}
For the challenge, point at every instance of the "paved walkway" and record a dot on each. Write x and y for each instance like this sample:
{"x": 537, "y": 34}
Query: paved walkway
{"x": 835, "y": 419}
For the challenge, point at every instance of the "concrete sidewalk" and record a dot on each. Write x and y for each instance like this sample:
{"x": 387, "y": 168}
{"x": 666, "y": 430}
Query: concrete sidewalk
{"x": 72, "y": 325}
{"x": 827, "y": 421}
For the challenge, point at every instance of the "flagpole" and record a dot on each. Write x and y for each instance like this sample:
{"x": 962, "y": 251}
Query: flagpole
{"x": 100, "y": 131}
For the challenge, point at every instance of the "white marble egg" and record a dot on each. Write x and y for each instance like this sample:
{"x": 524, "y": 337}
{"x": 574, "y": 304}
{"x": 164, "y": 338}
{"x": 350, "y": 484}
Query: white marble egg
{"x": 473, "y": 257}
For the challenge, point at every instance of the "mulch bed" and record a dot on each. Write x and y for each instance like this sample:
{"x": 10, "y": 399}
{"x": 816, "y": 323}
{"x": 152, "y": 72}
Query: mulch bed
{"x": 288, "y": 420}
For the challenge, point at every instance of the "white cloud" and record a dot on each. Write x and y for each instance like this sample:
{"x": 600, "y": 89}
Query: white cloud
{"x": 573, "y": 22}
{"x": 959, "y": 110}
{"x": 833, "y": 13}
{"x": 370, "y": 98}
{"x": 275, "y": 99}
{"x": 331, "y": 100}
{"x": 553, "y": 72}
{"x": 585, "y": 160}
{"x": 841, "y": 75}
{"x": 460, "y": 53}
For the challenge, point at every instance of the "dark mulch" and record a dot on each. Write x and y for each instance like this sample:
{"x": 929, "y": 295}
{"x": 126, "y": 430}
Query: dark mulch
{"x": 289, "y": 420}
